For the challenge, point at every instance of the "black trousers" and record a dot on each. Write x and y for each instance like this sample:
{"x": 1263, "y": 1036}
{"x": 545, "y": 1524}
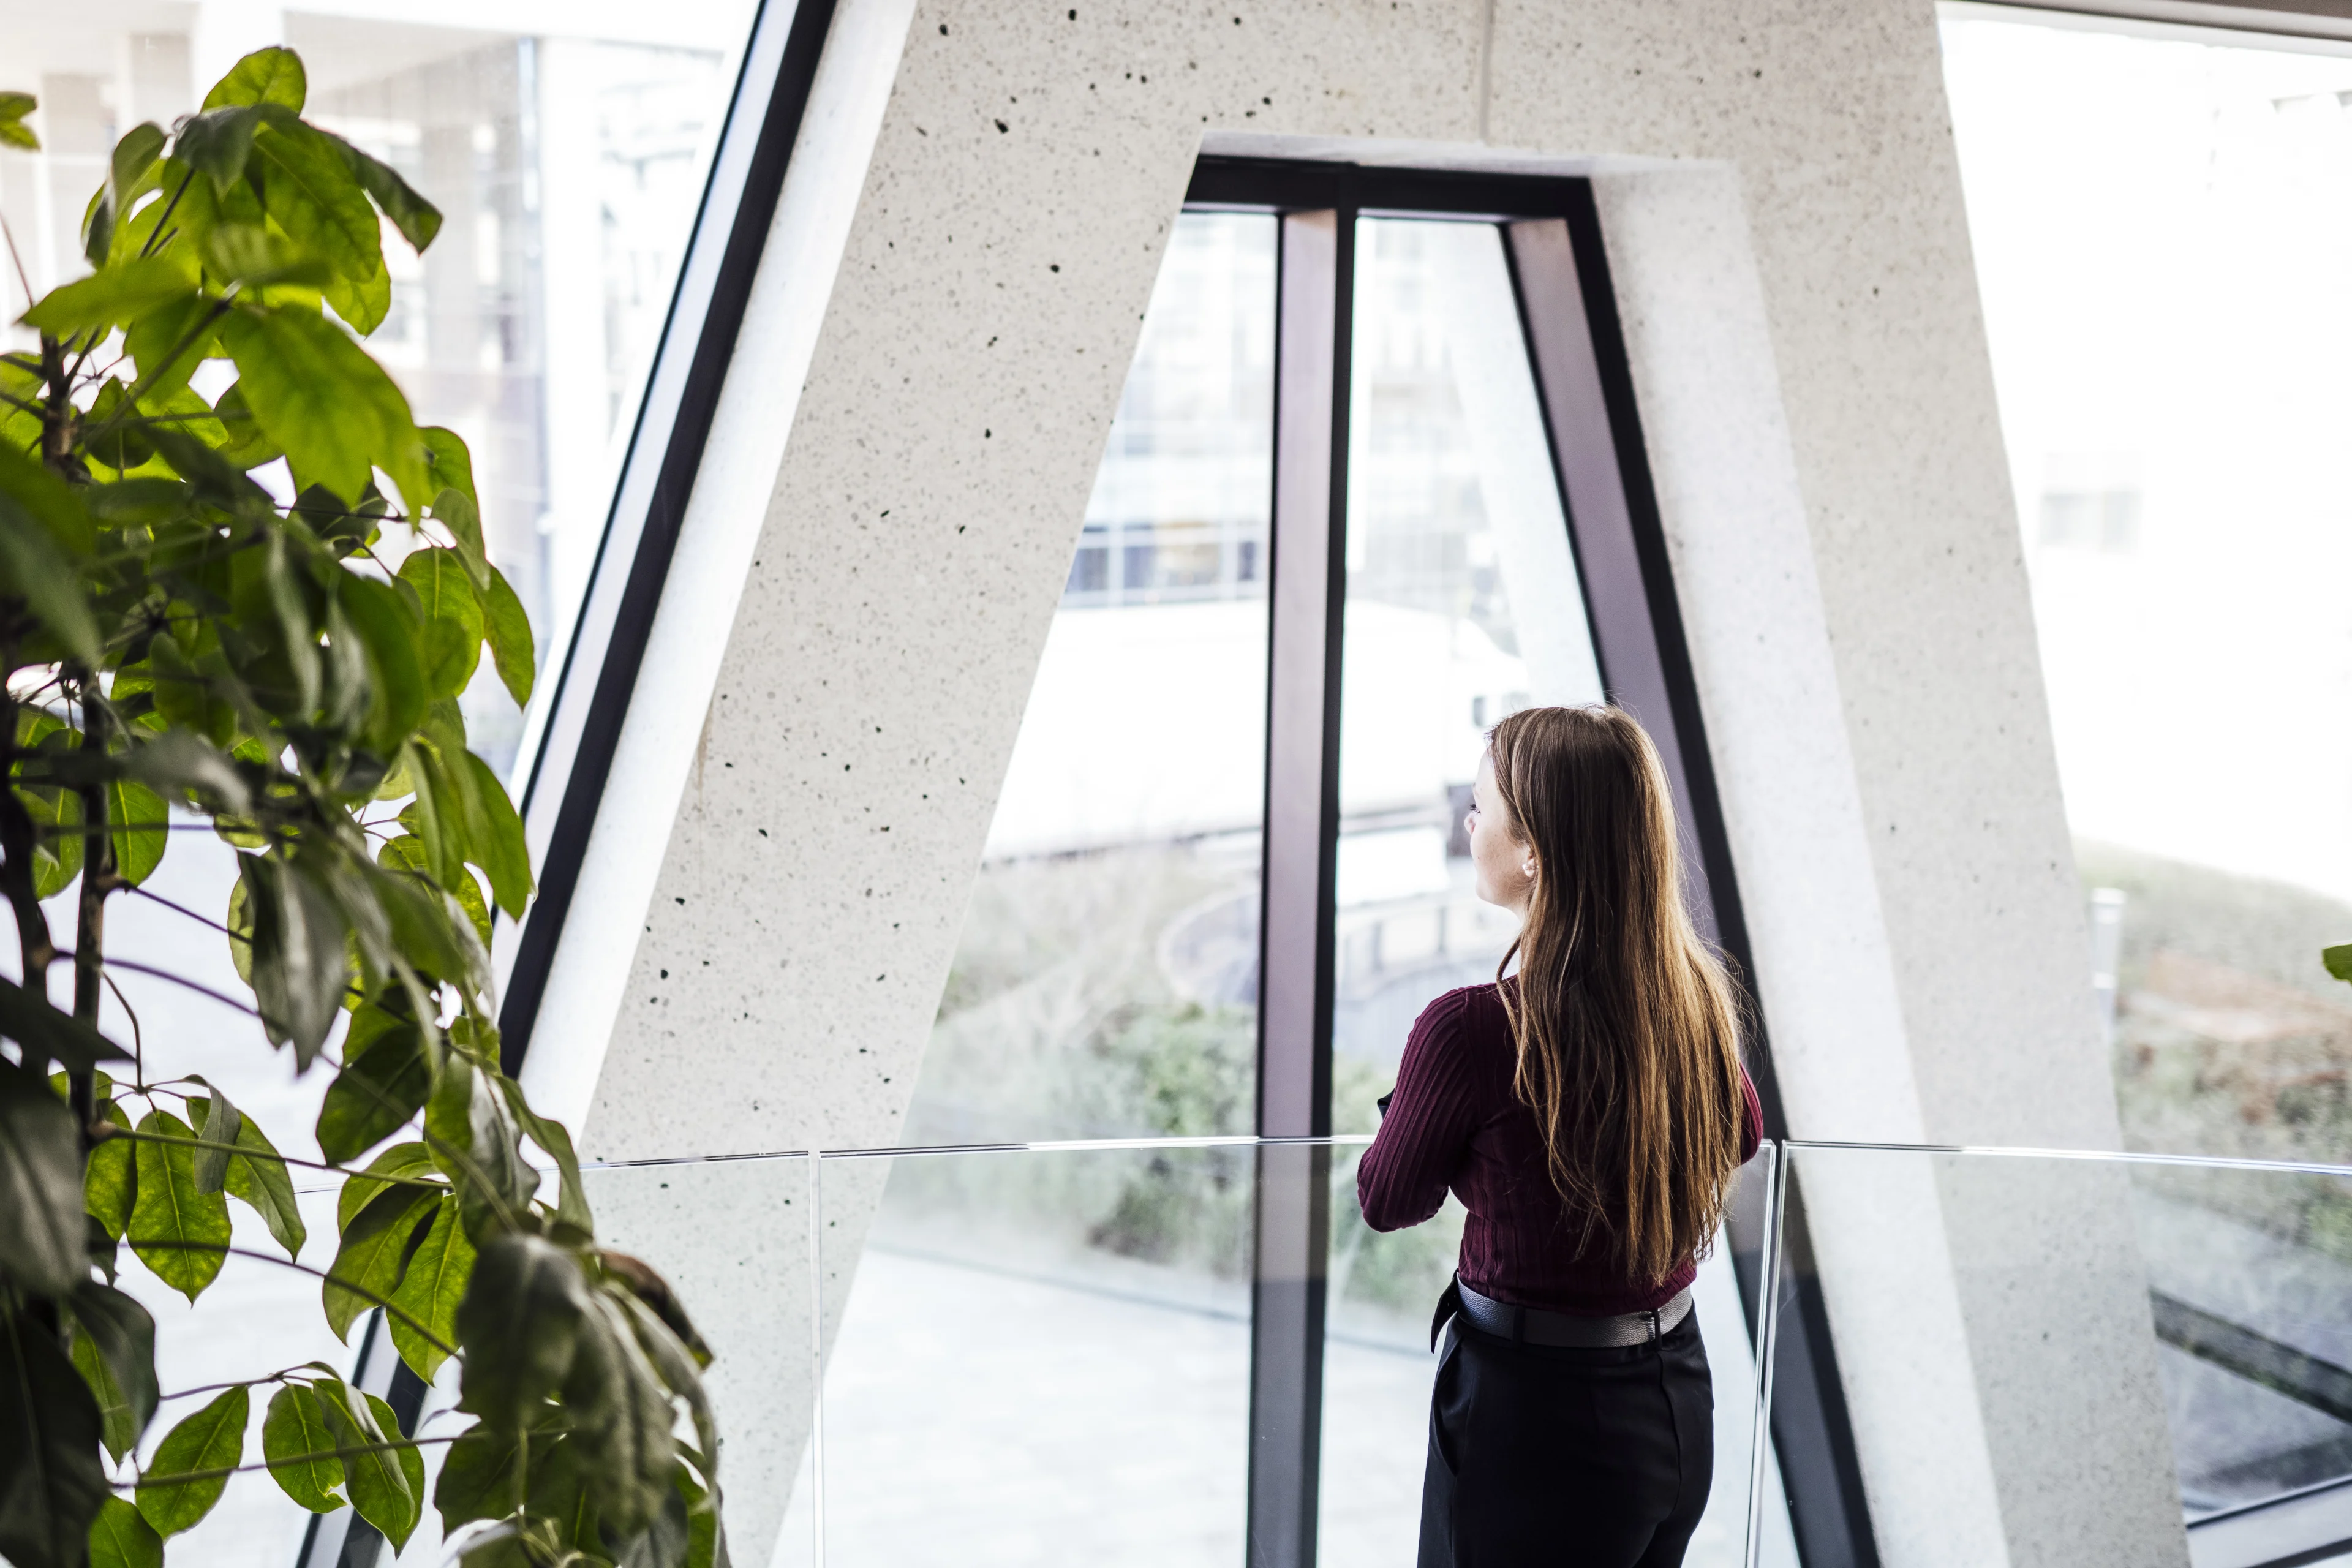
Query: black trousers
{"x": 1541, "y": 1458}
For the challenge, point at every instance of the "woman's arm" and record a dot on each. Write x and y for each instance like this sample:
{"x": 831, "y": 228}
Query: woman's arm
{"x": 1403, "y": 1176}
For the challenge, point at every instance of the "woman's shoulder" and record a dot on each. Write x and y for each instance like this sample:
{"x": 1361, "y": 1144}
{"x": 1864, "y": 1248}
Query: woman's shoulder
{"x": 1465, "y": 1008}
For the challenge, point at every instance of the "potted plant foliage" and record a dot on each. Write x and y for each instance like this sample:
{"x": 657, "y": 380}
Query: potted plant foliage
{"x": 253, "y": 614}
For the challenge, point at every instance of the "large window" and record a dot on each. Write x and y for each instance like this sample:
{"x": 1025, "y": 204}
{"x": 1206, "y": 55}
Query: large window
{"x": 1333, "y": 540}
{"x": 2162, "y": 222}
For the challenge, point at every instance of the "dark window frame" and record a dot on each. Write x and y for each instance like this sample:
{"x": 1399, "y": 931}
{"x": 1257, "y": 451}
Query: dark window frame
{"x": 1568, "y": 321}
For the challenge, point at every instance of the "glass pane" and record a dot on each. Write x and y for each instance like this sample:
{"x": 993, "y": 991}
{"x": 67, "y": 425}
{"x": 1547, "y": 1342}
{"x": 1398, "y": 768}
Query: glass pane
{"x": 1461, "y": 607}
{"x": 1107, "y": 981}
{"x": 2137, "y": 1334}
{"x": 1378, "y": 1367}
{"x": 732, "y": 1238}
{"x": 1042, "y": 1358}
{"x": 2162, "y": 239}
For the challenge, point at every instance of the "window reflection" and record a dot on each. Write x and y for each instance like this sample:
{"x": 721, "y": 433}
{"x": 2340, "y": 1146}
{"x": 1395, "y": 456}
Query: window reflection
{"x": 1107, "y": 980}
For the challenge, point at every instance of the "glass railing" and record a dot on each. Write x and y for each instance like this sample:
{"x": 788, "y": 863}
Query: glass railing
{"x": 2117, "y": 1358}
{"x": 1043, "y": 1353}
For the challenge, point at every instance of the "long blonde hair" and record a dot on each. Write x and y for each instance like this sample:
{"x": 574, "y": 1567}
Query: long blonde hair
{"x": 1626, "y": 1023}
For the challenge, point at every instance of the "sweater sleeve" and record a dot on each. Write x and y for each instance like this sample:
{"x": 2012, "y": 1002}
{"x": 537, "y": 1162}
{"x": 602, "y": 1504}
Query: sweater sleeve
{"x": 1403, "y": 1176}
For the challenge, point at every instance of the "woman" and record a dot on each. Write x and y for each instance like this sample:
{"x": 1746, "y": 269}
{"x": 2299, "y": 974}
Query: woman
{"x": 1591, "y": 1111}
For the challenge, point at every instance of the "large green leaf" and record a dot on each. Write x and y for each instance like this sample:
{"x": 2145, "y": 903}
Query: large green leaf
{"x": 41, "y": 1228}
{"x": 387, "y": 1485}
{"x": 452, "y": 625}
{"x": 114, "y": 297}
{"x": 373, "y": 1252}
{"x": 571, "y": 1201}
{"x": 624, "y": 1415}
{"x": 126, "y": 176}
{"x": 246, "y": 446}
{"x": 475, "y": 1139}
{"x": 706, "y": 1530}
{"x": 120, "y": 1537}
{"x": 418, "y": 219}
{"x": 454, "y": 509}
{"x": 2338, "y": 959}
{"x": 402, "y": 1160}
{"x": 390, "y": 631}
{"x": 177, "y": 1231}
{"x": 429, "y": 1292}
{"x": 273, "y": 75}
{"x": 311, "y": 190}
{"x": 58, "y": 849}
{"x": 114, "y": 1349}
{"x": 509, "y": 630}
{"x": 321, "y": 398}
{"x": 51, "y": 1482}
{"x": 217, "y": 1122}
{"x": 451, "y": 463}
{"x": 485, "y": 1466}
{"x": 299, "y": 1444}
{"x": 259, "y": 1179}
{"x": 380, "y": 1085}
{"x": 216, "y": 145}
{"x": 519, "y": 1326}
{"x": 675, "y": 1364}
{"x": 301, "y": 966}
{"x": 499, "y": 847}
{"x": 210, "y": 1439}
{"x": 137, "y": 819}
{"x": 108, "y": 1180}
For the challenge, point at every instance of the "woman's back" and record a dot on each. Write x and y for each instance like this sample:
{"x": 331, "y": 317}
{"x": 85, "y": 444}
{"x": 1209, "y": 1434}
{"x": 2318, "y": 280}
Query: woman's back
{"x": 1454, "y": 1122}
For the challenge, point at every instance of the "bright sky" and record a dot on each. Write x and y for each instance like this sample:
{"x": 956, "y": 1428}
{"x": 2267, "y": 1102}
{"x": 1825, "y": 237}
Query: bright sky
{"x": 2163, "y": 231}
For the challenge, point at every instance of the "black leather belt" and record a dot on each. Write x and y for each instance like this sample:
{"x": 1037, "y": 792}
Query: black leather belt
{"x": 1563, "y": 1330}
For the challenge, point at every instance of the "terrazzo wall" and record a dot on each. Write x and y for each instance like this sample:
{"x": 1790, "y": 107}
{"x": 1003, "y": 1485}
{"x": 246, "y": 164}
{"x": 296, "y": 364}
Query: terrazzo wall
{"x": 839, "y": 670}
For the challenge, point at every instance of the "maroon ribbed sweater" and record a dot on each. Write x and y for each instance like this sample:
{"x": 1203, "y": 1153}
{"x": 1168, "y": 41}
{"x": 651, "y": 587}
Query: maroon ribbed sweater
{"x": 1454, "y": 1124}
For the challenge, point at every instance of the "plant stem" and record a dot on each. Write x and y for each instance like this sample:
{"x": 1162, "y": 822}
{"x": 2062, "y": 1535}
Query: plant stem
{"x": 89, "y": 931}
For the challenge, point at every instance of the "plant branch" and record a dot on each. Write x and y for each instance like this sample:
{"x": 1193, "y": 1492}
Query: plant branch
{"x": 337, "y": 1281}
{"x": 223, "y": 997}
{"x": 189, "y": 1477}
{"x": 156, "y": 236}
{"x": 134, "y": 1136}
{"x": 138, "y": 1044}
{"x": 183, "y": 909}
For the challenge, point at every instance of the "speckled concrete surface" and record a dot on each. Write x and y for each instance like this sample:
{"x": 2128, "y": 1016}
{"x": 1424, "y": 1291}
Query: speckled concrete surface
{"x": 1023, "y": 182}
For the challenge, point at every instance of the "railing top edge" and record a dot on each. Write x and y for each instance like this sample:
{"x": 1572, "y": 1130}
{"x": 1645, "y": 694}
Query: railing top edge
{"x": 2094, "y": 1156}
{"x": 1360, "y": 1140}
{"x": 1043, "y": 1146}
